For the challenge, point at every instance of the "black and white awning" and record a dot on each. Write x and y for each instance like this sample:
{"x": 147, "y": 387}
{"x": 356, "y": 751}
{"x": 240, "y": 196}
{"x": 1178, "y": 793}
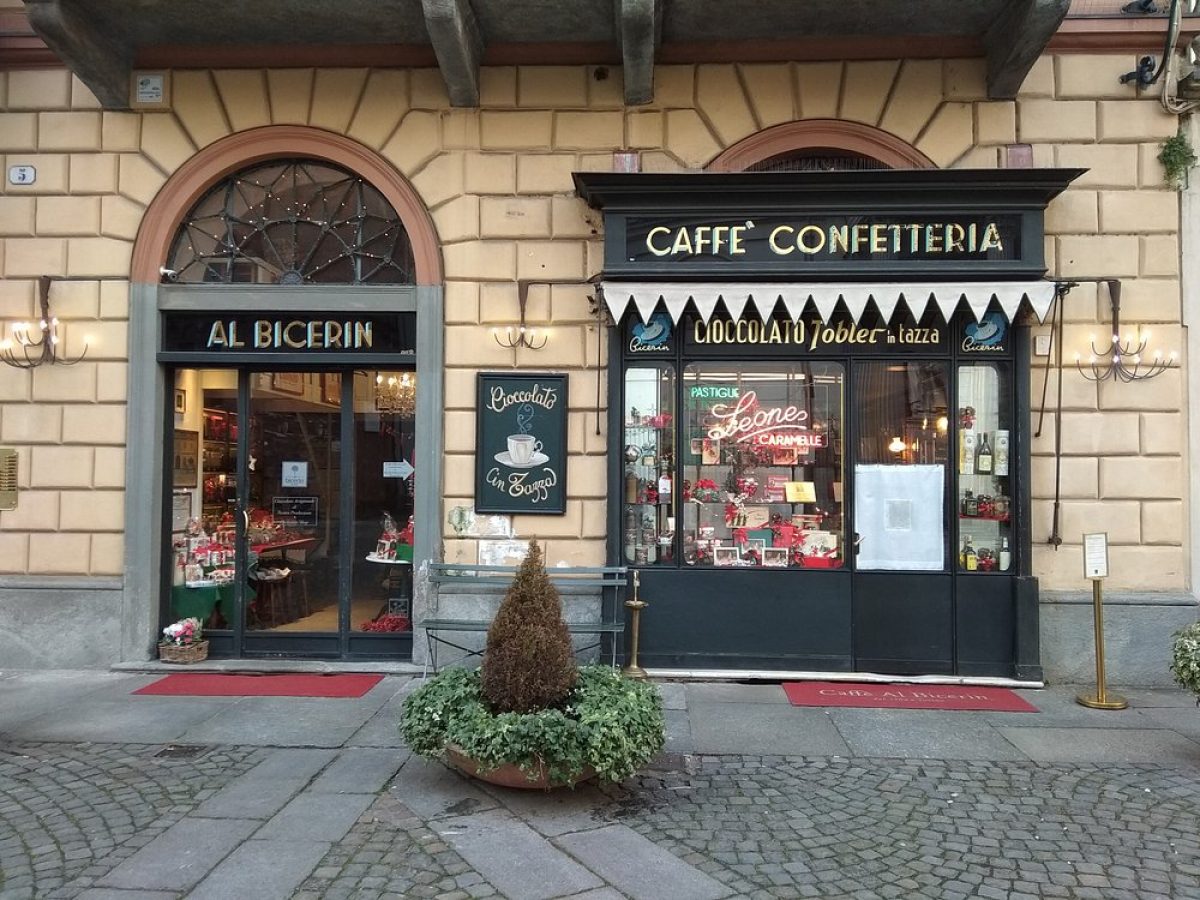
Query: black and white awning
{"x": 917, "y": 296}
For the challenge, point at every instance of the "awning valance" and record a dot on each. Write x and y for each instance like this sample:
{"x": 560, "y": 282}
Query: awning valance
{"x": 645, "y": 296}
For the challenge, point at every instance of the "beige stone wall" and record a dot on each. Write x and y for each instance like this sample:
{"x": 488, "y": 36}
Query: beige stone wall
{"x": 497, "y": 181}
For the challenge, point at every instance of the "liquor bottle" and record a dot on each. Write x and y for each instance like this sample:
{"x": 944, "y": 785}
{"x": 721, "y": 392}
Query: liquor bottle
{"x": 1001, "y": 463}
{"x": 970, "y": 505}
{"x": 1005, "y": 555}
{"x": 966, "y": 454}
{"x": 970, "y": 561}
{"x": 631, "y": 486}
{"x": 983, "y": 459}
{"x": 664, "y": 487}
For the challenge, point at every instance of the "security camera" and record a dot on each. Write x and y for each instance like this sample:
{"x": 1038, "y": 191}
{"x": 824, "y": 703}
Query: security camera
{"x": 169, "y": 274}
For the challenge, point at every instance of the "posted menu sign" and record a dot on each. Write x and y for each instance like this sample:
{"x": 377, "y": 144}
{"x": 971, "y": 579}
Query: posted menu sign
{"x": 521, "y": 444}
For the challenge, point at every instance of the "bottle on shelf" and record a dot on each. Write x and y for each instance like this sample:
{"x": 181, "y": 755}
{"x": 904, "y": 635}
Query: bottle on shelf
{"x": 631, "y": 486}
{"x": 970, "y": 504}
{"x": 983, "y": 458}
{"x": 966, "y": 456}
{"x": 1000, "y": 466}
{"x": 664, "y": 487}
{"x": 1005, "y": 555}
{"x": 968, "y": 557}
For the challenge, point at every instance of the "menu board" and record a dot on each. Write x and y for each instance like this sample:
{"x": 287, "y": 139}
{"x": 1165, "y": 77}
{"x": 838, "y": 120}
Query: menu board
{"x": 521, "y": 443}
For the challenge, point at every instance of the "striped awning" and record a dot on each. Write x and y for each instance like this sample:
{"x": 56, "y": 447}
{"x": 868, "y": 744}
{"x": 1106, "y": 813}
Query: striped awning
{"x": 645, "y": 296}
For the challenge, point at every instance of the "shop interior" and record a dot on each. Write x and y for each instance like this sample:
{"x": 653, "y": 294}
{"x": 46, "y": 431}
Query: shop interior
{"x": 293, "y": 481}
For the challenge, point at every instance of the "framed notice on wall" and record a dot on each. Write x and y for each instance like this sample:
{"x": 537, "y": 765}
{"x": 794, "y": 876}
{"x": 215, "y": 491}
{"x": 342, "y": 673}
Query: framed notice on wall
{"x": 521, "y": 444}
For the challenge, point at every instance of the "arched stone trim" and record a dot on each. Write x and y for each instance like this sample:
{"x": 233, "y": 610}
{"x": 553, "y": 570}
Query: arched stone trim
{"x": 833, "y": 133}
{"x": 189, "y": 182}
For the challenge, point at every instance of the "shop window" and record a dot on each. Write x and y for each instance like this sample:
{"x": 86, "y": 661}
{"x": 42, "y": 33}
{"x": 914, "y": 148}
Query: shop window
{"x": 294, "y": 222}
{"x": 900, "y": 470}
{"x": 984, "y": 469}
{"x": 649, "y": 442}
{"x": 762, "y": 465}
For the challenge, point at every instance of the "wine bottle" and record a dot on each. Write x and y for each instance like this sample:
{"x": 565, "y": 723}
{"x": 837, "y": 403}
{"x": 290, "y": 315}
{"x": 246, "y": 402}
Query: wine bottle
{"x": 983, "y": 459}
{"x": 970, "y": 560}
{"x": 1005, "y": 555}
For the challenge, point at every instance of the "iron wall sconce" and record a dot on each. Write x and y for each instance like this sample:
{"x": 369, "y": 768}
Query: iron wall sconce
{"x": 29, "y": 345}
{"x": 1123, "y": 360}
{"x": 522, "y": 335}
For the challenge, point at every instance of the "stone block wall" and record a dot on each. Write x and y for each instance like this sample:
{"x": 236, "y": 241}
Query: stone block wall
{"x": 497, "y": 182}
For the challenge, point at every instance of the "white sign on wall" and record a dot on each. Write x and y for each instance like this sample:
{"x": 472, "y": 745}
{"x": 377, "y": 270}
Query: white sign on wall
{"x": 1095, "y": 555}
{"x": 295, "y": 474}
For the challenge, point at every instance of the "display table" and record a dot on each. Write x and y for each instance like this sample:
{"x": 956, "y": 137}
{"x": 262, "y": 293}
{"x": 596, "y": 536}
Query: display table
{"x": 282, "y": 547}
{"x": 200, "y": 602}
{"x": 399, "y": 585}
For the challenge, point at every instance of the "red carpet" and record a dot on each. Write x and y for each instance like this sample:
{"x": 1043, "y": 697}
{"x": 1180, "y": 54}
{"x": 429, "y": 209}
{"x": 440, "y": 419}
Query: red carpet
{"x": 208, "y": 684}
{"x": 904, "y": 696}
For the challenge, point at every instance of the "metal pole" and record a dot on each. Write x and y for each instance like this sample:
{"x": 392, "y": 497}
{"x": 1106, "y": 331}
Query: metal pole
{"x": 633, "y": 670}
{"x": 1101, "y": 699}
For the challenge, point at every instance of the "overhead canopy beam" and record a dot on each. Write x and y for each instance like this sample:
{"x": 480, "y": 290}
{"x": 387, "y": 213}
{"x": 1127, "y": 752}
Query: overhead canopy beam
{"x": 1016, "y": 39}
{"x": 102, "y": 61}
{"x": 458, "y": 43}
{"x": 639, "y": 31}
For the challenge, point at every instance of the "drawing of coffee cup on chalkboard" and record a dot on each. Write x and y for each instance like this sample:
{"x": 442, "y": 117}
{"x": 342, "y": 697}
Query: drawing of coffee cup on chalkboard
{"x": 524, "y": 450}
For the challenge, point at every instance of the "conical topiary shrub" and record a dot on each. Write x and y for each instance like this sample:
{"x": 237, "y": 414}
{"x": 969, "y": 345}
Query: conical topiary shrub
{"x": 528, "y": 663}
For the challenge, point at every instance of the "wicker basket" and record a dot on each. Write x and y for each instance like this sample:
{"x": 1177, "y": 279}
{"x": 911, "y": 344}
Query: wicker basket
{"x": 183, "y": 653}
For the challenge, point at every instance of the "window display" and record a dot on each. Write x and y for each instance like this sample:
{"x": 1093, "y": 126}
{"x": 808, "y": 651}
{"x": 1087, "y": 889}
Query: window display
{"x": 984, "y": 469}
{"x": 648, "y": 525}
{"x": 762, "y": 465}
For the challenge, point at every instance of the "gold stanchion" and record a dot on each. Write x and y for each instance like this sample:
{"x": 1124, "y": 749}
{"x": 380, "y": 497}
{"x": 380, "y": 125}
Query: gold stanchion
{"x": 633, "y": 670}
{"x": 1101, "y": 699}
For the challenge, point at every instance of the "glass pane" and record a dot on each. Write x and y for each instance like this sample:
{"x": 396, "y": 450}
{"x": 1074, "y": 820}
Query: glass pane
{"x": 384, "y": 438}
{"x": 762, "y": 466}
{"x": 203, "y": 497}
{"x": 648, "y": 525}
{"x": 984, "y": 480}
{"x": 900, "y": 469}
{"x": 293, "y": 475}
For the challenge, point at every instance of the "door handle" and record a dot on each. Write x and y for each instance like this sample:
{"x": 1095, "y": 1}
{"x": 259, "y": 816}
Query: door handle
{"x": 245, "y": 520}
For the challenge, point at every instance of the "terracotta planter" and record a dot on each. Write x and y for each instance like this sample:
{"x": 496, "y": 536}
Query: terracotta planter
{"x": 510, "y": 775}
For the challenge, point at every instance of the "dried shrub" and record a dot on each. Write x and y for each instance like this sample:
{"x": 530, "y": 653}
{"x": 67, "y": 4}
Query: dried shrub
{"x": 528, "y": 663}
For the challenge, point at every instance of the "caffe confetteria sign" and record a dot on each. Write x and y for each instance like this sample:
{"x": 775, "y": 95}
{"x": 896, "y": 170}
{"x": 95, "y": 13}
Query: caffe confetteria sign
{"x": 865, "y": 238}
{"x": 812, "y": 334}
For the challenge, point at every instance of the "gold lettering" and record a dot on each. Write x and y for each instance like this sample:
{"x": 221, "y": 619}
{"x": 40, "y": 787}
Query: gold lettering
{"x": 860, "y": 233}
{"x": 735, "y": 240}
{"x": 363, "y": 336}
{"x": 775, "y": 337}
{"x": 650, "y": 240}
{"x": 954, "y": 237}
{"x": 991, "y": 238}
{"x": 333, "y": 334}
{"x": 740, "y": 329}
{"x": 839, "y": 238}
{"x": 682, "y": 244}
{"x": 262, "y": 333}
{"x": 294, "y": 343}
{"x": 914, "y": 236}
{"x": 216, "y": 335}
{"x": 314, "y": 333}
{"x": 700, "y": 332}
{"x": 933, "y": 239}
{"x": 233, "y": 338}
{"x": 811, "y": 248}
{"x": 879, "y": 238}
{"x": 775, "y": 248}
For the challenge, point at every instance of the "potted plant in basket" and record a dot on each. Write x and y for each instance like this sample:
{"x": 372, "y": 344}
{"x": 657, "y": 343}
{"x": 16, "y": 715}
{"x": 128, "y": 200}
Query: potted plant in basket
{"x": 183, "y": 642}
{"x": 529, "y": 716}
{"x": 1185, "y": 658}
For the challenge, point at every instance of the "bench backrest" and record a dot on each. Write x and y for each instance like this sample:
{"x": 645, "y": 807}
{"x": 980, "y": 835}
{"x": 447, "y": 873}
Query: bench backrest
{"x": 580, "y": 576}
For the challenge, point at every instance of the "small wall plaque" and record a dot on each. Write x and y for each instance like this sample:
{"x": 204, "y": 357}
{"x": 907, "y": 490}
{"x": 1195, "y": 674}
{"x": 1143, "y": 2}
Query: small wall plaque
{"x": 22, "y": 175}
{"x": 8, "y": 478}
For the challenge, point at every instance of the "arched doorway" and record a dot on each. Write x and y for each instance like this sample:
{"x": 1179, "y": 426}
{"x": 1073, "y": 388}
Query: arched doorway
{"x": 287, "y": 278}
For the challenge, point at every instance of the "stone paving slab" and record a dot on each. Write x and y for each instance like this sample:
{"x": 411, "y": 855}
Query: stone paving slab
{"x": 763, "y": 728}
{"x": 556, "y": 812}
{"x": 262, "y": 870}
{"x": 115, "y": 894}
{"x": 921, "y": 734}
{"x": 1058, "y": 709}
{"x": 730, "y": 692}
{"x": 1106, "y": 745}
{"x": 360, "y": 771}
{"x": 432, "y": 790}
{"x": 286, "y": 721}
{"x": 151, "y": 720}
{"x": 181, "y": 856}
{"x": 638, "y": 867}
{"x": 514, "y": 857}
{"x": 316, "y": 817}
{"x": 679, "y": 731}
{"x": 673, "y": 693}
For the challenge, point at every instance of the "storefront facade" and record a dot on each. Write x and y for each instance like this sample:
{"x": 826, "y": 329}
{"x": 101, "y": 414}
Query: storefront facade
{"x": 487, "y": 199}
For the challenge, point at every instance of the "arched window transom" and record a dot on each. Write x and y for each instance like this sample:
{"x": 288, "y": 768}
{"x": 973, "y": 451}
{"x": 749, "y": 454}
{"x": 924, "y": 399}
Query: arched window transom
{"x": 292, "y": 222}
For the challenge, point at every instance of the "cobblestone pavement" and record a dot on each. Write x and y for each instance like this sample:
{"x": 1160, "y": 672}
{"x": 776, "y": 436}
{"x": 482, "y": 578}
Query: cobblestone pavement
{"x": 764, "y": 827}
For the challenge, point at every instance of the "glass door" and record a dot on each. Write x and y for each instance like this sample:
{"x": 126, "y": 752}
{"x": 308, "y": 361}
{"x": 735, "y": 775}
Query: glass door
{"x": 291, "y": 516}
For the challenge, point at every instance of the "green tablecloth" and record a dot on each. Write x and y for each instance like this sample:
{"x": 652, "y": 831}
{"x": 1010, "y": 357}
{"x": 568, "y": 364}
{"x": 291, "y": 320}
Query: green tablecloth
{"x": 200, "y": 602}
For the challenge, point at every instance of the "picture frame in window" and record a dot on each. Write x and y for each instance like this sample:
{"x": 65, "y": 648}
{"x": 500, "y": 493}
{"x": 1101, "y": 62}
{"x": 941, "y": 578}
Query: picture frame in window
{"x": 775, "y": 557}
{"x": 725, "y": 555}
{"x": 331, "y": 387}
{"x": 180, "y": 400}
{"x": 750, "y": 552}
{"x": 288, "y": 382}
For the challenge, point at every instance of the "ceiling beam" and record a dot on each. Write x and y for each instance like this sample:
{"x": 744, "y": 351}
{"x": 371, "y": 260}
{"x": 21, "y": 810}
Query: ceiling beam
{"x": 102, "y": 61}
{"x": 458, "y": 43}
{"x": 639, "y": 32}
{"x": 1016, "y": 39}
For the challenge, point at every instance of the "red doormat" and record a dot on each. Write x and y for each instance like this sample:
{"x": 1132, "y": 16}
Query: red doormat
{"x": 904, "y": 696}
{"x": 211, "y": 684}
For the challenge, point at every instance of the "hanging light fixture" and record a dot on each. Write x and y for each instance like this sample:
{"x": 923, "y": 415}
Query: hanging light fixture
{"x": 396, "y": 395}
{"x": 1123, "y": 360}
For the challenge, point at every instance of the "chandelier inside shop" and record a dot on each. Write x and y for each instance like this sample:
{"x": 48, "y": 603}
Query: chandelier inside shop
{"x": 396, "y": 394}
{"x": 292, "y": 222}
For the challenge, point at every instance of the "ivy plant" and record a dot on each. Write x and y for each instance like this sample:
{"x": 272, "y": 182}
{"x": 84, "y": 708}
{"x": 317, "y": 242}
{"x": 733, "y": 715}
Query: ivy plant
{"x": 1185, "y": 658}
{"x": 1177, "y": 158}
{"x": 609, "y": 723}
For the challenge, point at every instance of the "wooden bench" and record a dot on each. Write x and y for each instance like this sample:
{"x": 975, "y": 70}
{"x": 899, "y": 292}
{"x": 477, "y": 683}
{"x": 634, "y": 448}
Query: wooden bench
{"x": 608, "y": 581}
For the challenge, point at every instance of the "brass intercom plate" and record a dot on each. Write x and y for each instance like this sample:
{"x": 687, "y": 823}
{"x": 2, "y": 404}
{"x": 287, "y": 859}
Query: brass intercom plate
{"x": 8, "y": 479}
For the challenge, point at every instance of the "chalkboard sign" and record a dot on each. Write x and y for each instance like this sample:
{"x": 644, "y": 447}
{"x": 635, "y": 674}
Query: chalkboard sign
{"x": 294, "y": 512}
{"x": 521, "y": 444}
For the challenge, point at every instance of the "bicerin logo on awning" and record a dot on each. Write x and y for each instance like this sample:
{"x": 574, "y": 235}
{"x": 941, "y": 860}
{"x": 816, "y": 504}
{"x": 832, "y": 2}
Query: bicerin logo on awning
{"x": 986, "y": 335}
{"x": 651, "y": 336}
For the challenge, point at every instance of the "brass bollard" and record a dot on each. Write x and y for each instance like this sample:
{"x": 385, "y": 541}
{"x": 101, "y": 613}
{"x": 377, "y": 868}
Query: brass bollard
{"x": 1101, "y": 699}
{"x": 633, "y": 670}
